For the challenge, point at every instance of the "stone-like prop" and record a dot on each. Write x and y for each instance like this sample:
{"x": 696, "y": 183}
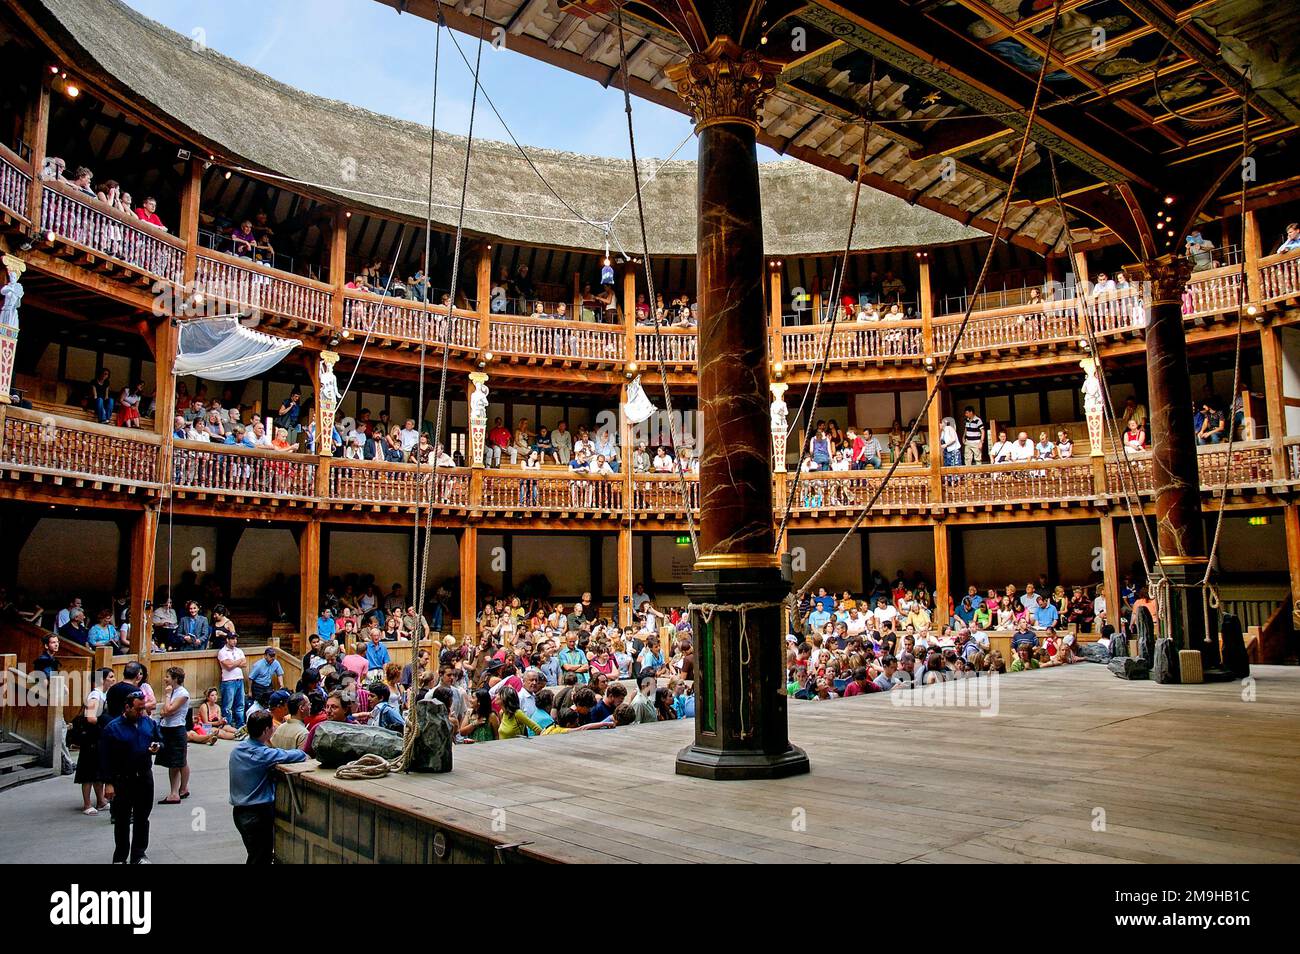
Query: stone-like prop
{"x": 433, "y": 741}
{"x": 1129, "y": 667}
{"x": 478, "y": 417}
{"x": 1145, "y": 628}
{"x": 327, "y": 404}
{"x": 1166, "y": 671}
{"x": 337, "y": 743}
{"x": 1235, "y": 659}
{"x": 780, "y": 426}
{"x": 1093, "y": 406}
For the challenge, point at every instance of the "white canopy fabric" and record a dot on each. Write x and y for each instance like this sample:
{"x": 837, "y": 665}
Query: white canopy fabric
{"x": 639, "y": 407}
{"x": 221, "y": 349}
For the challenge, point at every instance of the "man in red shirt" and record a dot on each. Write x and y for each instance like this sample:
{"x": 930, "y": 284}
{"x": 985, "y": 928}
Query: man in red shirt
{"x": 149, "y": 213}
{"x": 498, "y": 441}
{"x": 860, "y": 684}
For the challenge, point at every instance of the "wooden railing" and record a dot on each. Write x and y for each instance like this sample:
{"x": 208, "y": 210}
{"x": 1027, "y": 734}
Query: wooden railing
{"x": 15, "y": 183}
{"x": 556, "y": 339}
{"x": 1251, "y": 466}
{"x": 832, "y": 490}
{"x": 374, "y": 482}
{"x": 1212, "y": 291}
{"x": 257, "y": 288}
{"x": 1292, "y": 450}
{"x": 86, "y": 222}
{"x": 523, "y": 491}
{"x": 42, "y": 443}
{"x": 853, "y": 341}
{"x": 1026, "y": 482}
{"x": 669, "y": 345}
{"x": 662, "y": 493}
{"x": 1280, "y": 276}
{"x": 408, "y": 320}
{"x": 242, "y": 472}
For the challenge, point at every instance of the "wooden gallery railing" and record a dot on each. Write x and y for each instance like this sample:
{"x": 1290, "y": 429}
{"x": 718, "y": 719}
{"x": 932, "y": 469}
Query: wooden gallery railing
{"x": 15, "y": 183}
{"x": 256, "y": 288}
{"x": 94, "y": 226}
{"x": 551, "y": 339}
{"x": 395, "y": 319}
{"x": 65, "y": 448}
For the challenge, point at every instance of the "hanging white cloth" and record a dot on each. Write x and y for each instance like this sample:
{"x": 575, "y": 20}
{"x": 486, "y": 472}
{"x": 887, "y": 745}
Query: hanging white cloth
{"x": 639, "y": 407}
{"x": 221, "y": 349}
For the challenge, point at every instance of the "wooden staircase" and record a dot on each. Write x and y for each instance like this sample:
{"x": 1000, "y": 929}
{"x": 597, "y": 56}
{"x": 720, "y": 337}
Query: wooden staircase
{"x": 20, "y": 763}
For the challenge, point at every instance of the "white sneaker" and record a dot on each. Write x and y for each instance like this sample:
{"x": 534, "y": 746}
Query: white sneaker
{"x": 144, "y": 860}
{"x": 92, "y": 810}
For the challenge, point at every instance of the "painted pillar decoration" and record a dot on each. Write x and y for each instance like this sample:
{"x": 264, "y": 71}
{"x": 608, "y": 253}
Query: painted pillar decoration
{"x": 327, "y": 404}
{"x": 478, "y": 415}
{"x": 780, "y": 426}
{"x": 13, "y": 298}
{"x": 1093, "y": 406}
{"x": 737, "y": 587}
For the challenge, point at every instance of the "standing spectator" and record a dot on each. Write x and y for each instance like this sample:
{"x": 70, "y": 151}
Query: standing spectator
{"x": 192, "y": 631}
{"x": 126, "y": 750}
{"x": 252, "y": 786}
{"x": 950, "y": 443}
{"x": 266, "y": 675}
{"x": 47, "y": 662}
{"x": 232, "y": 661}
{"x": 89, "y": 728}
{"x": 973, "y": 438}
{"x": 101, "y": 393}
{"x": 171, "y": 721}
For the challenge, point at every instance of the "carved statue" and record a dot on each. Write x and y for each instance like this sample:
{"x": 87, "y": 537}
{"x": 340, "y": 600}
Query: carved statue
{"x": 478, "y": 415}
{"x": 780, "y": 426}
{"x": 13, "y": 299}
{"x": 1094, "y": 405}
{"x": 327, "y": 403}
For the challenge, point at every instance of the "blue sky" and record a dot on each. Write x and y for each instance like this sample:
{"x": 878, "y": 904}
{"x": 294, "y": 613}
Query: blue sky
{"x": 365, "y": 53}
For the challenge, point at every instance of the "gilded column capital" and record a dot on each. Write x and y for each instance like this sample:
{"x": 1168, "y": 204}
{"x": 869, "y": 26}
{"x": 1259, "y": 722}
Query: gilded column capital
{"x": 724, "y": 83}
{"x": 1168, "y": 276}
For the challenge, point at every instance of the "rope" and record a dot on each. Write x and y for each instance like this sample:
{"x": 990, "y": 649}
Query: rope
{"x": 650, "y": 286}
{"x": 369, "y": 767}
{"x": 1231, "y": 416}
{"x": 834, "y": 308}
{"x": 950, "y": 356}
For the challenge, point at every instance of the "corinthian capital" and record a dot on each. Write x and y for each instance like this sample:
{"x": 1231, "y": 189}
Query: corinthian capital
{"x": 1168, "y": 276}
{"x": 724, "y": 83}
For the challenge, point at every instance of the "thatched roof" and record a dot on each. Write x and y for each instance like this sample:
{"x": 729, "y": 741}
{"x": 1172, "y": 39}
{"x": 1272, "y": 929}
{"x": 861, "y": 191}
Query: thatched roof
{"x": 247, "y": 118}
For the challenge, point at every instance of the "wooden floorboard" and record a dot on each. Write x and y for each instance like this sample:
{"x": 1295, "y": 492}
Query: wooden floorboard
{"x": 1179, "y": 773}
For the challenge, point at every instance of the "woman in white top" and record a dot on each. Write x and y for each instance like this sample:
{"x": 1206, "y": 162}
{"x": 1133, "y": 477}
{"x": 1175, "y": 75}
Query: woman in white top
{"x": 171, "y": 722}
{"x": 1001, "y": 450}
{"x": 662, "y": 463}
{"x": 1064, "y": 446}
{"x": 950, "y": 442}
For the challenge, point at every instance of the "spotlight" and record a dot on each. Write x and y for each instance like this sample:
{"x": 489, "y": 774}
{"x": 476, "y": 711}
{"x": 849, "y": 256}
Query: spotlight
{"x": 1169, "y": 200}
{"x": 1084, "y": 345}
{"x": 54, "y": 69}
{"x": 1252, "y": 310}
{"x": 182, "y": 154}
{"x": 227, "y": 174}
{"x": 49, "y": 236}
{"x": 487, "y": 356}
{"x": 72, "y": 91}
{"x": 348, "y": 215}
{"x": 334, "y": 341}
{"x": 778, "y": 370}
{"x": 347, "y": 334}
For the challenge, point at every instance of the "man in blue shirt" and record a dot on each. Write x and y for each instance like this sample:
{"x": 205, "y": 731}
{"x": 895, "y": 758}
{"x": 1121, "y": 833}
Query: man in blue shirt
{"x": 126, "y": 750}
{"x": 252, "y": 786}
{"x": 263, "y": 675}
{"x": 376, "y": 652}
{"x": 824, "y": 601}
{"x": 325, "y": 626}
{"x": 817, "y": 619}
{"x": 1046, "y": 616}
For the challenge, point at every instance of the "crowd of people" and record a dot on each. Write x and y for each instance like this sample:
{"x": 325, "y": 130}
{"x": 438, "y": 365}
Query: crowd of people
{"x": 895, "y": 636}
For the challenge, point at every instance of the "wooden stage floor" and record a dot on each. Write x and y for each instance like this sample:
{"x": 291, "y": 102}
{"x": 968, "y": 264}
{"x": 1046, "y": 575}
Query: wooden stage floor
{"x": 1077, "y": 766}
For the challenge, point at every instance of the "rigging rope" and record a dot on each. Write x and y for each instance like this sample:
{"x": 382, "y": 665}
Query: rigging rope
{"x": 950, "y": 356}
{"x": 834, "y": 306}
{"x": 650, "y": 289}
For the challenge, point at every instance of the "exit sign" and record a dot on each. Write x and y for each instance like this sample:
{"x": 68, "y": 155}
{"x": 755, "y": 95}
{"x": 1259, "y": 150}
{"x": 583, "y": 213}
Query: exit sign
{"x": 684, "y": 541}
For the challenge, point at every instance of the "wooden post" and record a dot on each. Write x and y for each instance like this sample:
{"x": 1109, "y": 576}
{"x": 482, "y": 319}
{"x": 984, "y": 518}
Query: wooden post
{"x": 1110, "y": 570}
{"x": 629, "y": 312}
{"x": 309, "y": 574}
{"x": 144, "y": 543}
{"x": 483, "y": 280}
{"x": 942, "y": 576}
{"x": 36, "y": 130}
{"x": 774, "y": 315}
{"x": 1251, "y": 247}
{"x": 625, "y": 452}
{"x": 468, "y": 582}
{"x": 933, "y": 416}
{"x": 925, "y": 302}
{"x": 1291, "y": 519}
{"x": 187, "y": 229}
{"x": 577, "y": 296}
{"x": 338, "y": 265}
{"x": 625, "y": 577}
{"x": 1081, "y": 274}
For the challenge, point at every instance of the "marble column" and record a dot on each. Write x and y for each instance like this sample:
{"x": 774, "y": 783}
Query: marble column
{"x": 741, "y": 725}
{"x": 1179, "y": 526}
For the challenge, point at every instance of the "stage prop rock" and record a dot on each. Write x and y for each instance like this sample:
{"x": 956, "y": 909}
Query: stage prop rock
{"x": 1095, "y": 652}
{"x": 1235, "y": 659}
{"x": 1145, "y": 628}
{"x": 1129, "y": 667}
{"x": 1165, "y": 671}
{"x": 337, "y": 743}
{"x": 433, "y": 744}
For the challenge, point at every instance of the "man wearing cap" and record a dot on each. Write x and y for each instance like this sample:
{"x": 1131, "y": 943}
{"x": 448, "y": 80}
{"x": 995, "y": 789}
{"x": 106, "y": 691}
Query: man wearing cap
{"x": 277, "y": 703}
{"x": 266, "y": 675}
{"x": 252, "y": 786}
